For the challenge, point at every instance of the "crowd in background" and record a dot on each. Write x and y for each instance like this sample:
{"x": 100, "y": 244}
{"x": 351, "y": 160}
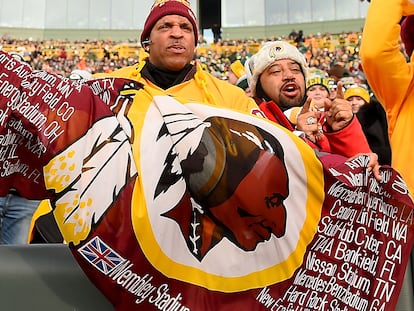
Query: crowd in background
{"x": 335, "y": 53}
{"x": 336, "y": 56}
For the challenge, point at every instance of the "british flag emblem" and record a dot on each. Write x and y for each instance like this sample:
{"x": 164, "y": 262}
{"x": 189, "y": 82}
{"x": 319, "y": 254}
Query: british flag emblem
{"x": 100, "y": 255}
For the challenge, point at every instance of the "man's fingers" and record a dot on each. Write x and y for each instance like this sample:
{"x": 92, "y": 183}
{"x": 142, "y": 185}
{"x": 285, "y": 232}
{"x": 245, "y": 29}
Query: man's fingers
{"x": 340, "y": 90}
{"x": 306, "y": 106}
{"x": 373, "y": 164}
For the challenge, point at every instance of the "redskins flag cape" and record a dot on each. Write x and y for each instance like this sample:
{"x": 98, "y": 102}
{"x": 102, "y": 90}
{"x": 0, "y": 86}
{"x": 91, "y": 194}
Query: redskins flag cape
{"x": 174, "y": 205}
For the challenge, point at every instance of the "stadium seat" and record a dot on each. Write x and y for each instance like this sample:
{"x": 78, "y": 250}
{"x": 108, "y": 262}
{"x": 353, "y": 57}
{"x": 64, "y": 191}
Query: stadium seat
{"x": 45, "y": 277}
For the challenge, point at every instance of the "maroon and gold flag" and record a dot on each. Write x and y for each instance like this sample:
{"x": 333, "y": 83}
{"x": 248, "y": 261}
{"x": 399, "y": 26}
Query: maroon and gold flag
{"x": 169, "y": 204}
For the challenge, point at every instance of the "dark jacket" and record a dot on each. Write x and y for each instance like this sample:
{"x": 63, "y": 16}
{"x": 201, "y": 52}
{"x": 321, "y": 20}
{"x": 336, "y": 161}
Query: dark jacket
{"x": 373, "y": 120}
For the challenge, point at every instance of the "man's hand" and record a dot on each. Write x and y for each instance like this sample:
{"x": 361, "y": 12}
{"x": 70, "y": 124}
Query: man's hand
{"x": 338, "y": 112}
{"x": 373, "y": 164}
{"x": 308, "y": 122}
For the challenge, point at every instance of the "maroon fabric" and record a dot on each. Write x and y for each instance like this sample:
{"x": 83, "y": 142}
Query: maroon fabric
{"x": 407, "y": 33}
{"x": 359, "y": 242}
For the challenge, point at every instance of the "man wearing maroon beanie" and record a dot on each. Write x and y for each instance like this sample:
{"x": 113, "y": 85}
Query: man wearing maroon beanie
{"x": 169, "y": 39}
{"x": 169, "y": 36}
{"x": 163, "y": 8}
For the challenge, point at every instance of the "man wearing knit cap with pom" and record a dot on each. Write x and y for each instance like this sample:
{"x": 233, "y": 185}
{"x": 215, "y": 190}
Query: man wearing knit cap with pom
{"x": 276, "y": 76}
{"x": 169, "y": 38}
{"x": 391, "y": 77}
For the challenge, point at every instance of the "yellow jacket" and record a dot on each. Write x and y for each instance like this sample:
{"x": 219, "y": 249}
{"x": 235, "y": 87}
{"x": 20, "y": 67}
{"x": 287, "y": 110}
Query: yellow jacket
{"x": 391, "y": 78}
{"x": 202, "y": 88}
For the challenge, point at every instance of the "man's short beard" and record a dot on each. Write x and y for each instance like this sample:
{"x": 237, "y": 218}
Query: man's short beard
{"x": 285, "y": 102}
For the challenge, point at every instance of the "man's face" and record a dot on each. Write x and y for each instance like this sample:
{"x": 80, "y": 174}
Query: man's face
{"x": 252, "y": 214}
{"x": 172, "y": 43}
{"x": 284, "y": 83}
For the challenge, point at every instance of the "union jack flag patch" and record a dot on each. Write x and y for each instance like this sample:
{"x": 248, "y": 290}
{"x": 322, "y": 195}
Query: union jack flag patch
{"x": 100, "y": 255}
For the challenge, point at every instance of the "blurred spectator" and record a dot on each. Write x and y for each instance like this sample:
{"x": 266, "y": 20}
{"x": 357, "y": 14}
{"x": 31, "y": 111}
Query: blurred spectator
{"x": 373, "y": 119}
{"x": 15, "y": 216}
{"x": 243, "y": 84}
{"x": 79, "y": 74}
{"x": 357, "y": 96}
{"x": 15, "y": 211}
{"x": 236, "y": 72}
{"x": 216, "y": 29}
{"x": 317, "y": 88}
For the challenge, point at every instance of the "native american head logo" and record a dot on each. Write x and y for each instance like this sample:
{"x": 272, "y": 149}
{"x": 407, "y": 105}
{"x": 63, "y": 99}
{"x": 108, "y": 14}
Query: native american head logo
{"x": 236, "y": 182}
{"x": 223, "y": 196}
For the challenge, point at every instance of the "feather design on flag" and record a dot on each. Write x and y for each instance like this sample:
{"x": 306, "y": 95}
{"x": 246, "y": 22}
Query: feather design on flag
{"x": 184, "y": 127}
{"x": 88, "y": 176}
{"x": 122, "y": 104}
{"x": 185, "y": 130}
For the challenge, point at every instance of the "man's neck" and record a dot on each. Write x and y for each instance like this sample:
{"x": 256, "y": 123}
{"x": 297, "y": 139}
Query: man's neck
{"x": 166, "y": 78}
